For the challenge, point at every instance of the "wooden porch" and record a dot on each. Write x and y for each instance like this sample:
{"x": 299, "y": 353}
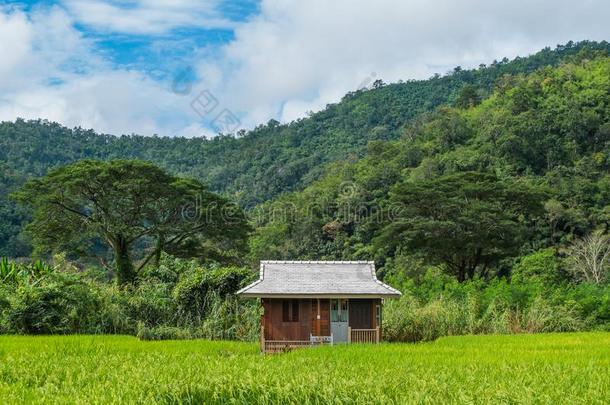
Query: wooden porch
{"x": 363, "y": 335}
{"x": 356, "y": 336}
{"x": 280, "y": 346}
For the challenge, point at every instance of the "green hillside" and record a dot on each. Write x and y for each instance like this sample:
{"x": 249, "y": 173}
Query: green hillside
{"x": 467, "y": 188}
{"x": 256, "y": 166}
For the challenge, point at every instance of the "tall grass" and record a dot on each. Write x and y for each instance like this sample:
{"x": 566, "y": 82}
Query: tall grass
{"x": 409, "y": 320}
{"x": 551, "y": 368}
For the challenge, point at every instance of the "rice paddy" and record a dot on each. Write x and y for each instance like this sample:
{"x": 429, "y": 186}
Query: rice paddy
{"x": 553, "y": 368}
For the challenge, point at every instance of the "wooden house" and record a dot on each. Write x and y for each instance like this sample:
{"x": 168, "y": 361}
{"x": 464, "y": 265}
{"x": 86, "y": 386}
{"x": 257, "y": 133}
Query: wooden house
{"x": 318, "y": 302}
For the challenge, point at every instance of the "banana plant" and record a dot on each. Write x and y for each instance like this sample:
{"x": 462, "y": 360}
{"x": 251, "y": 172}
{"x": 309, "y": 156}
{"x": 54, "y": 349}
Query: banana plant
{"x": 8, "y": 270}
{"x": 26, "y": 273}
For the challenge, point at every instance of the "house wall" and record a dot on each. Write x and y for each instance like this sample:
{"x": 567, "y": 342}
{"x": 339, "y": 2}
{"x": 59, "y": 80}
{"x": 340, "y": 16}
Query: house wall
{"x": 276, "y": 329}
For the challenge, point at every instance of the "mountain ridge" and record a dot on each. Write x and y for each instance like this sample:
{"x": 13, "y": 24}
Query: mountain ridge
{"x": 271, "y": 159}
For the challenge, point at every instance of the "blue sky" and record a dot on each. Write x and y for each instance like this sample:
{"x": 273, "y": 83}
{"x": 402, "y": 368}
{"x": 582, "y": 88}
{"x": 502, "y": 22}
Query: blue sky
{"x": 155, "y": 52}
{"x": 194, "y": 68}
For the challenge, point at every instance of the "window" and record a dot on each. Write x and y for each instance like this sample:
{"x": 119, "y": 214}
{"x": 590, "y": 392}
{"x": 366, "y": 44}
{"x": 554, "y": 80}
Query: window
{"x": 338, "y": 310}
{"x": 290, "y": 311}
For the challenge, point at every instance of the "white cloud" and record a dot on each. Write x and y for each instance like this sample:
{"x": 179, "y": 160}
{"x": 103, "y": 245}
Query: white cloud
{"x": 52, "y": 73}
{"x": 296, "y": 56}
{"x": 16, "y": 36}
{"x": 293, "y": 57}
{"x": 147, "y": 17}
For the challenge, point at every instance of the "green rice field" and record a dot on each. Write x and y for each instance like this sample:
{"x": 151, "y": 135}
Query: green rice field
{"x": 553, "y": 368}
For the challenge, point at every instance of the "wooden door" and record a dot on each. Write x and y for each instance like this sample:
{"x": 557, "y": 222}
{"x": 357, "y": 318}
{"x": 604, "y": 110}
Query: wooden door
{"x": 339, "y": 320}
{"x": 320, "y": 317}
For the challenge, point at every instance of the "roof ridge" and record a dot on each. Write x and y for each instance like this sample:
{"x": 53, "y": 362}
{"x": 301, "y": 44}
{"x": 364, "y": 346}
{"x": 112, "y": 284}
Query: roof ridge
{"x": 318, "y": 261}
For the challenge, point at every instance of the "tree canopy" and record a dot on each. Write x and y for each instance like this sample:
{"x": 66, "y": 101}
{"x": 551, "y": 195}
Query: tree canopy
{"x": 467, "y": 221}
{"x": 133, "y": 208}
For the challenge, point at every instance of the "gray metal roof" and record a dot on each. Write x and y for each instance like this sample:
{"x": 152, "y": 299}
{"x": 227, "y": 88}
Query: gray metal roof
{"x": 318, "y": 279}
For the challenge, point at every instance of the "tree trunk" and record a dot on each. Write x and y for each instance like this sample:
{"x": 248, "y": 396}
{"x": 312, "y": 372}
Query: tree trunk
{"x": 461, "y": 273}
{"x": 159, "y": 249}
{"x": 124, "y": 267}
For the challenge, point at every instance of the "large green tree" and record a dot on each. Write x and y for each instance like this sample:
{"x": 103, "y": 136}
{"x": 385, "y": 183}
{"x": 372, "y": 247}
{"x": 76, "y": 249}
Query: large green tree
{"x": 466, "y": 221}
{"x": 132, "y": 209}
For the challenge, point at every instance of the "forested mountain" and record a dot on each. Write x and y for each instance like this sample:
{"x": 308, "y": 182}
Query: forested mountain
{"x": 467, "y": 188}
{"x": 272, "y": 159}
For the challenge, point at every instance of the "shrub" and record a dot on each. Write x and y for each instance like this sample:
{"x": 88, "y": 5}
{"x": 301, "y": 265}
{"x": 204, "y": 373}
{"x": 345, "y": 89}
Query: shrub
{"x": 195, "y": 292}
{"x": 150, "y": 302}
{"x": 231, "y": 318}
{"x": 5, "y": 302}
{"x": 544, "y": 317}
{"x": 162, "y": 332}
{"x": 406, "y": 320}
{"x": 168, "y": 270}
{"x": 542, "y": 267}
{"x": 590, "y": 300}
{"x": 410, "y": 320}
{"x": 228, "y": 319}
{"x": 113, "y": 314}
{"x": 58, "y": 303}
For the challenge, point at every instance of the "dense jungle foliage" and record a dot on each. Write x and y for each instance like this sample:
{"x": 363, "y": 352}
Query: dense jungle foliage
{"x": 524, "y": 170}
{"x": 483, "y": 195}
{"x": 174, "y": 299}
